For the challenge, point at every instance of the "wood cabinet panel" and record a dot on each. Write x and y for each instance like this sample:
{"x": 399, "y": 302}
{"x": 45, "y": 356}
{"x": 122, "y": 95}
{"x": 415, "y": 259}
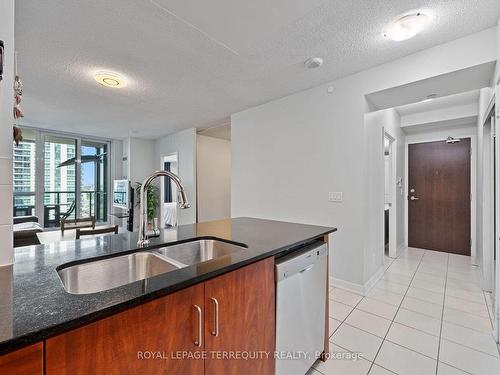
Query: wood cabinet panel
{"x": 25, "y": 361}
{"x": 246, "y": 317}
{"x": 114, "y": 345}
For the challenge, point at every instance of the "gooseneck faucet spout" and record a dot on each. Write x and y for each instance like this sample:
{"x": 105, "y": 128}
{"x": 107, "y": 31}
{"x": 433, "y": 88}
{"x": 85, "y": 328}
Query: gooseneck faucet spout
{"x": 143, "y": 225}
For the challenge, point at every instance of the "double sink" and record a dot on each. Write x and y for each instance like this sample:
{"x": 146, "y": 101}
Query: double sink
{"x": 101, "y": 275}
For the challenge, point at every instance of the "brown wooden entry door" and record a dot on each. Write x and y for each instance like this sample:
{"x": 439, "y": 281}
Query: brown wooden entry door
{"x": 439, "y": 196}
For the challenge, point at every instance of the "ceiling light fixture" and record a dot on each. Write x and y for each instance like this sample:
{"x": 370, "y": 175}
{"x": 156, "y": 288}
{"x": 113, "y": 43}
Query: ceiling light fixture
{"x": 313, "y": 62}
{"x": 428, "y": 98}
{"x": 110, "y": 79}
{"x": 406, "y": 27}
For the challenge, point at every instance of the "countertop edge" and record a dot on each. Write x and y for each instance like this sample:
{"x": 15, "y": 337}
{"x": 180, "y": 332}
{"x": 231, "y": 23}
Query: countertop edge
{"x": 45, "y": 333}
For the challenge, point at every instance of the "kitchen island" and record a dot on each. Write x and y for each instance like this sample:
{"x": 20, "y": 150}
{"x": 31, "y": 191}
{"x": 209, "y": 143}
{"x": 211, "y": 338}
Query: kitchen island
{"x": 37, "y": 314}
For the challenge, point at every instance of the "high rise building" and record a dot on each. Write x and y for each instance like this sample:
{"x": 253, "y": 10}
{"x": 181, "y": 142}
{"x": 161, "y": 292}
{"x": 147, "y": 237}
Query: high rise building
{"x": 24, "y": 158}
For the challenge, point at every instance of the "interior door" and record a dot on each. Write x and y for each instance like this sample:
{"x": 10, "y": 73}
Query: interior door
{"x": 240, "y": 318}
{"x": 439, "y": 194}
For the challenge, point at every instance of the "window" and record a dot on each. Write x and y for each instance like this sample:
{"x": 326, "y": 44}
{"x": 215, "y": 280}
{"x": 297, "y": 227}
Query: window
{"x": 73, "y": 177}
{"x": 24, "y": 165}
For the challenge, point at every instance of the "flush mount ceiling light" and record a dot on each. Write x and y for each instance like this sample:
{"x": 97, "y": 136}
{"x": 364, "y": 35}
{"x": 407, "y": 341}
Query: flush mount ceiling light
{"x": 110, "y": 79}
{"x": 406, "y": 27}
{"x": 313, "y": 62}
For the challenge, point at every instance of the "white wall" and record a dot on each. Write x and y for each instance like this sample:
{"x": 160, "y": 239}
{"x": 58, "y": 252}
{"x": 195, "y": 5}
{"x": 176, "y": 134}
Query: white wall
{"x": 289, "y": 153}
{"x": 141, "y": 163}
{"x": 6, "y": 122}
{"x": 213, "y": 178}
{"x": 184, "y": 144}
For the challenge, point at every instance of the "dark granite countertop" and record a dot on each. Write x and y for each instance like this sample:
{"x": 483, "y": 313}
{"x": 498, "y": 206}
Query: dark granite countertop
{"x": 34, "y": 304}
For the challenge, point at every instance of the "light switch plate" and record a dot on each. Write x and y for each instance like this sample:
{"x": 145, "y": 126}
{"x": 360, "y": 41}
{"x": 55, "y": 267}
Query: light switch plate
{"x": 335, "y": 196}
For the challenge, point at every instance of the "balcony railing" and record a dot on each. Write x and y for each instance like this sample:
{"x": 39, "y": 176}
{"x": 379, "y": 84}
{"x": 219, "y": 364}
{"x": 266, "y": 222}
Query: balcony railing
{"x": 61, "y": 205}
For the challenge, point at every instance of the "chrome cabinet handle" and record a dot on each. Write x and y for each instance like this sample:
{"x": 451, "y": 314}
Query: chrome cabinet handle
{"x": 215, "y": 314}
{"x": 198, "y": 338}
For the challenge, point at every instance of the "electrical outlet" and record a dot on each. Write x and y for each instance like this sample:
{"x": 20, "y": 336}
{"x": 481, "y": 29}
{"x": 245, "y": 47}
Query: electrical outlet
{"x": 335, "y": 196}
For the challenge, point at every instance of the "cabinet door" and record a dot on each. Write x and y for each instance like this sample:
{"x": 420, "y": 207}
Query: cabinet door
{"x": 137, "y": 341}
{"x": 25, "y": 361}
{"x": 240, "y": 317}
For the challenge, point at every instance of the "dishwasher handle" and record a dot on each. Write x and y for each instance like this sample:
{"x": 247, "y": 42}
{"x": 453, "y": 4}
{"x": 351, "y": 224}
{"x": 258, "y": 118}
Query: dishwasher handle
{"x": 306, "y": 268}
{"x": 300, "y": 262}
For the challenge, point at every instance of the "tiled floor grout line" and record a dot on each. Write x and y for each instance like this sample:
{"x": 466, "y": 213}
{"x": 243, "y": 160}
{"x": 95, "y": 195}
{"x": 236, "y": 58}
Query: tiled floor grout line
{"x": 341, "y": 322}
{"x": 394, "y": 317}
{"x": 414, "y": 276}
{"x": 442, "y": 312}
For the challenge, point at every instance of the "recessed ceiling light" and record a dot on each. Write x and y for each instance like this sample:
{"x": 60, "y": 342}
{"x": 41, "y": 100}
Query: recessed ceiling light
{"x": 313, "y": 62}
{"x": 110, "y": 79}
{"x": 406, "y": 27}
{"x": 428, "y": 98}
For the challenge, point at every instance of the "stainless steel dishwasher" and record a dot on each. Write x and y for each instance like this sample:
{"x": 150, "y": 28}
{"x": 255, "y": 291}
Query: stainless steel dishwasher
{"x": 300, "y": 308}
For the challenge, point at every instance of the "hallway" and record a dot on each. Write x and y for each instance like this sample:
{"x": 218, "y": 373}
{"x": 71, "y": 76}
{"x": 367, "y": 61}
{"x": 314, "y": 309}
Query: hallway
{"x": 427, "y": 315}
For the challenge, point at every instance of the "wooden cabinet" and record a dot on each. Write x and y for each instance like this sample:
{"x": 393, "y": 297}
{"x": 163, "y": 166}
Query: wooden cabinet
{"x": 25, "y": 361}
{"x": 137, "y": 341}
{"x": 240, "y": 320}
{"x": 212, "y": 323}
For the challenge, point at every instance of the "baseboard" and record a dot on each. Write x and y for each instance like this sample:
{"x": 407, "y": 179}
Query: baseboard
{"x": 399, "y": 249}
{"x": 352, "y": 287}
{"x": 373, "y": 280}
{"x": 357, "y": 288}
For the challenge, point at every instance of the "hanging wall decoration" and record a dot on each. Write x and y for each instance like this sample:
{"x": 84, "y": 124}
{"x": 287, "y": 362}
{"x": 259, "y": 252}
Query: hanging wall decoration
{"x": 18, "y": 91}
{"x": 18, "y": 135}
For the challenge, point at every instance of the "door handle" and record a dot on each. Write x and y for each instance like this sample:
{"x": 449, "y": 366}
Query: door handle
{"x": 412, "y": 198}
{"x": 199, "y": 329}
{"x": 215, "y": 315}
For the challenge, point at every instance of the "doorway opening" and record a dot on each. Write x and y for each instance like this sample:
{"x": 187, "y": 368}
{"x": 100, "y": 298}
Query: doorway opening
{"x": 168, "y": 192}
{"x": 390, "y": 192}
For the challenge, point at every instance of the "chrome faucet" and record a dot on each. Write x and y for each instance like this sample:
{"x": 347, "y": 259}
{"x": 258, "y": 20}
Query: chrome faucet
{"x": 143, "y": 226}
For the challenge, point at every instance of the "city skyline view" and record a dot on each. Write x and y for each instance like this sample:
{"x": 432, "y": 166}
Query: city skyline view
{"x": 60, "y": 181}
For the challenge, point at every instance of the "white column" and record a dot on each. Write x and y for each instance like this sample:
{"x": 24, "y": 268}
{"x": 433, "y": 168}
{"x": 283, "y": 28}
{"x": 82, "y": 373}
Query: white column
{"x": 6, "y": 123}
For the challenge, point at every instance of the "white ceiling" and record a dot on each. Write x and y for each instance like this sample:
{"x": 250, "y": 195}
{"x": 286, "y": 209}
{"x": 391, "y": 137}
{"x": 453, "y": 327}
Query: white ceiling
{"x": 448, "y": 112}
{"x": 472, "y": 78}
{"x": 464, "y": 98}
{"x": 193, "y": 63}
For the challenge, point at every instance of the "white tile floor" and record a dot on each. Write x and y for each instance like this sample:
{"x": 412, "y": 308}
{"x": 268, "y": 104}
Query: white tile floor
{"x": 427, "y": 315}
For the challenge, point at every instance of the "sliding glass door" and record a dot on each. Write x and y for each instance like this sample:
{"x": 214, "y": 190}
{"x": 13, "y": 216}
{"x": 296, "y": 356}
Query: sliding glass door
{"x": 59, "y": 177}
{"x": 94, "y": 180}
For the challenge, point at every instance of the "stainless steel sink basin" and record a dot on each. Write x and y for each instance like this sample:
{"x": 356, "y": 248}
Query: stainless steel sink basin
{"x": 110, "y": 273}
{"x": 100, "y": 275}
{"x": 194, "y": 252}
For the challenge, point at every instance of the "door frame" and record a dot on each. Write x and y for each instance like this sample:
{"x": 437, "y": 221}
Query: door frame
{"x": 393, "y": 209}
{"x": 496, "y": 130}
{"x": 163, "y": 158}
{"x": 424, "y": 138}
